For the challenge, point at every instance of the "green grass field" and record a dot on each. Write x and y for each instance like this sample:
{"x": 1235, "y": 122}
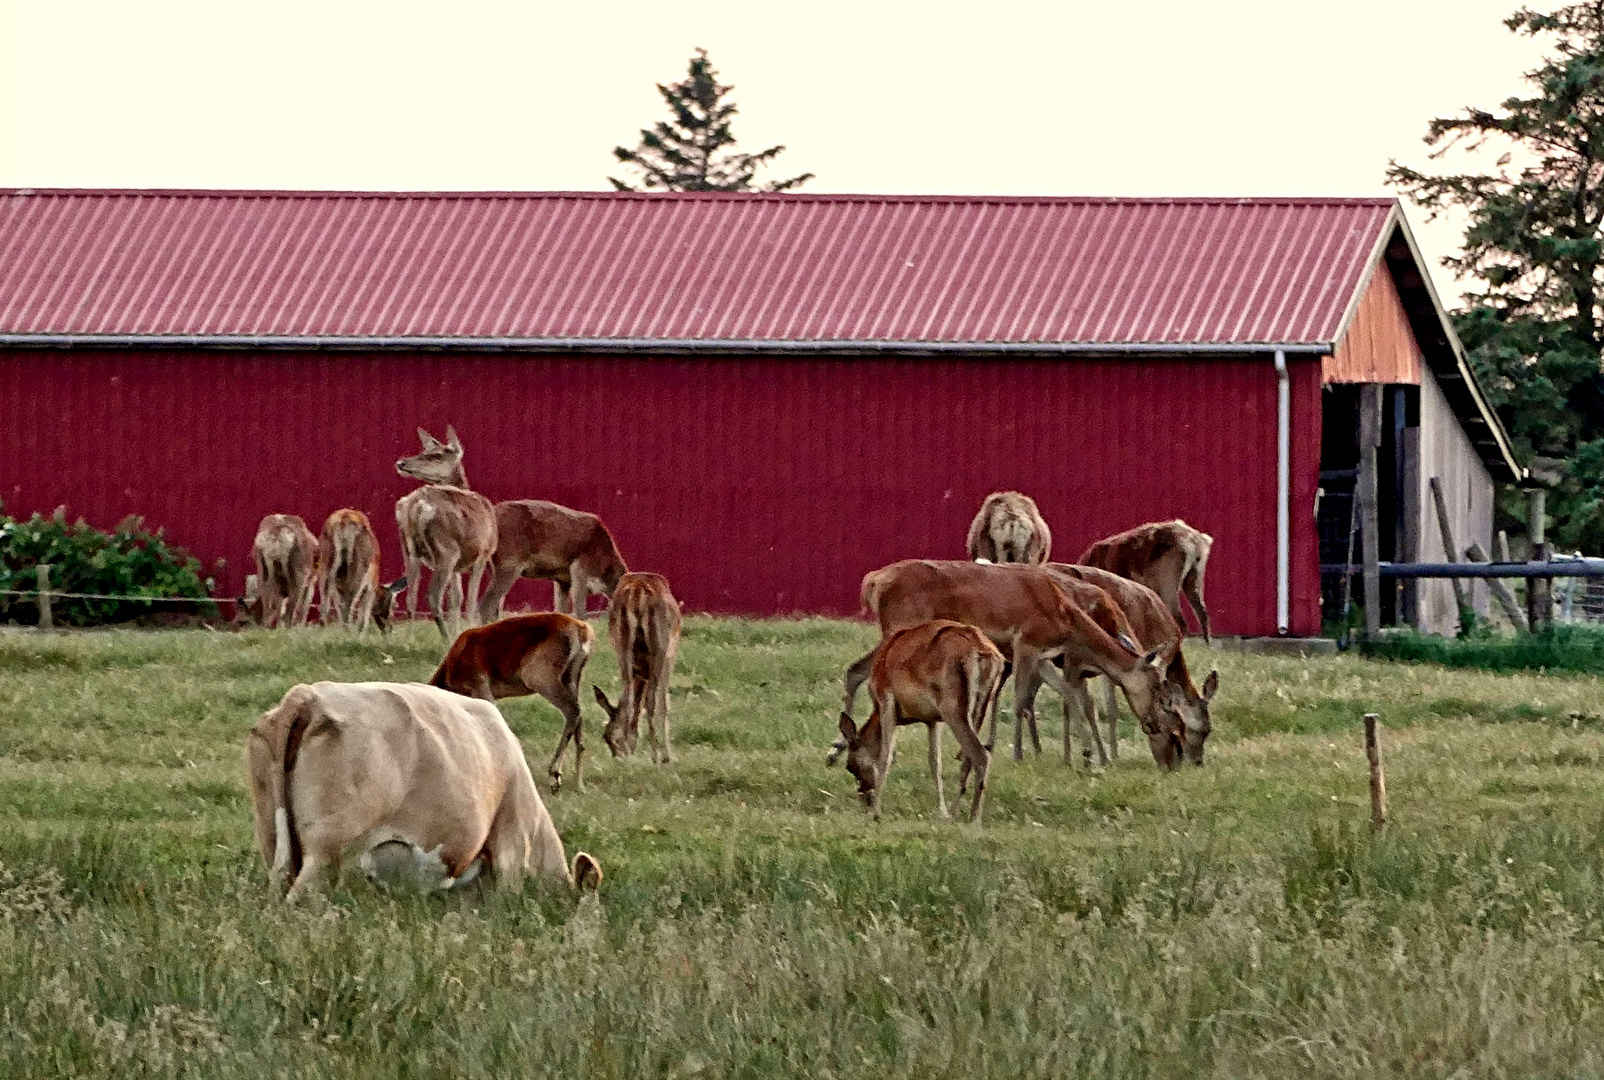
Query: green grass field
{"x": 1237, "y": 920}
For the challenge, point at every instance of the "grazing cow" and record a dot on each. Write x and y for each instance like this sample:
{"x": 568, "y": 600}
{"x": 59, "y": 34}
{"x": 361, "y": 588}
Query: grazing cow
{"x": 542, "y": 540}
{"x": 643, "y": 624}
{"x": 424, "y": 786}
{"x": 939, "y": 672}
{"x": 1153, "y": 626}
{"x": 286, "y": 552}
{"x": 1030, "y": 614}
{"x": 1009, "y": 529}
{"x": 543, "y": 654}
{"x": 348, "y": 573}
{"x": 1168, "y": 557}
{"x": 448, "y": 528}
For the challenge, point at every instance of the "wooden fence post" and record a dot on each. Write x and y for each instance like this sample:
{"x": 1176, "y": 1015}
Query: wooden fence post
{"x": 1450, "y": 552}
{"x": 46, "y": 621}
{"x": 1537, "y": 589}
{"x": 1378, "y": 778}
{"x": 1369, "y": 525}
{"x": 1500, "y": 591}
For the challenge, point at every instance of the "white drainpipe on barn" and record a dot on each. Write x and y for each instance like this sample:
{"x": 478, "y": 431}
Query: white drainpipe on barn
{"x": 1283, "y": 494}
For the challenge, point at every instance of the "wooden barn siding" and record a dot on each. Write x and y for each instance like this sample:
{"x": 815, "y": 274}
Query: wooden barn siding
{"x": 1379, "y": 346}
{"x": 763, "y": 486}
{"x": 1467, "y": 487}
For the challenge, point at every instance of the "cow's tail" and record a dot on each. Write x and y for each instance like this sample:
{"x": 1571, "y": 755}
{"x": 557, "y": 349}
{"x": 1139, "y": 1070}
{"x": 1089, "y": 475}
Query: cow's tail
{"x": 276, "y": 744}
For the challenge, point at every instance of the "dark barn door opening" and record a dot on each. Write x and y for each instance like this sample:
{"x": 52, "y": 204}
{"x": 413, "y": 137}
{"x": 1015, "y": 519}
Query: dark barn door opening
{"x": 1397, "y": 489}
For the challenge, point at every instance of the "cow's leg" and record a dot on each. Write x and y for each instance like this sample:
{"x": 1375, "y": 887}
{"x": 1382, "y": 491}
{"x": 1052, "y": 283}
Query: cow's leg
{"x": 1192, "y": 586}
{"x": 314, "y": 867}
{"x": 1075, "y": 689}
{"x": 935, "y": 769}
{"x": 1111, "y": 708}
{"x": 470, "y": 603}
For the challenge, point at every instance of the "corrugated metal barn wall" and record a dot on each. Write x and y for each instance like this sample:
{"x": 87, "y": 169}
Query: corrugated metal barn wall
{"x": 758, "y": 485}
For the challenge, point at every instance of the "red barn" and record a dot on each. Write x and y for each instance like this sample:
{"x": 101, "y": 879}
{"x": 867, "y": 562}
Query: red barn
{"x": 764, "y": 396}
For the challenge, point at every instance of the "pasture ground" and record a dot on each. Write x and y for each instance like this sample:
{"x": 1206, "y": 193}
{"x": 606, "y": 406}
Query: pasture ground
{"x": 1237, "y": 920}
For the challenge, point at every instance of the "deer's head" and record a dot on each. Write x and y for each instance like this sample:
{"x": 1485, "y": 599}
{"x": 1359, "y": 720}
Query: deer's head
{"x": 1192, "y": 712}
{"x": 438, "y": 462}
{"x": 618, "y": 739}
{"x": 863, "y": 757}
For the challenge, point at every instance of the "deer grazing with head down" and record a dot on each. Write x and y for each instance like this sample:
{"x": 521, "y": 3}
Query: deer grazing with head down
{"x": 1009, "y": 529}
{"x": 542, "y": 540}
{"x": 935, "y": 673}
{"x": 1033, "y": 616}
{"x": 1168, "y": 557}
{"x": 1153, "y": 626}
{"x": 643, "y": 624}
{"x": 447, "y": 527}
{"x": 543, "y": 654}
{"x": 286, "y": 553}
{"x": 348, "y": 573}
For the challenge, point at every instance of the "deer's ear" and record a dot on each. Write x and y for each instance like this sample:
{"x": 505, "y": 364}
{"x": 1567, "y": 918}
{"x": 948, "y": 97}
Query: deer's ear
{"x": 429, "y": 441}
{"x": 1155, "y": 658}
{"x": 452, "y": 442}
{"x": 849, "y": 730}
{"x": 1210, "y": 685}
{"x": 601, "y": 699}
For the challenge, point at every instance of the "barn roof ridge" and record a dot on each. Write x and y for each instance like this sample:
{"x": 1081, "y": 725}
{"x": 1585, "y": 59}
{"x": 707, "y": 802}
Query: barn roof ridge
{"x": 914, "y": 198}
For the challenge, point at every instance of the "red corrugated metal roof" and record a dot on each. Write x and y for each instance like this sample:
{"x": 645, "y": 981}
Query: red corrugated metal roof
{"x": 746, "y": 267}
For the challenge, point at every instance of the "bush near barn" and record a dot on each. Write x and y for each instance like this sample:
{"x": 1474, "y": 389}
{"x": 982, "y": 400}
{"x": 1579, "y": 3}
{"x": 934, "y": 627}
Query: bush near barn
{"x": 130, "y": 561}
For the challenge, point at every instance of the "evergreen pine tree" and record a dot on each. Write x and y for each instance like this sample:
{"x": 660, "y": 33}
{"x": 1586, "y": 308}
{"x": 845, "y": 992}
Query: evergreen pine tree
{"x": 1533, "y": 326}
{"x": 692, "y": 150}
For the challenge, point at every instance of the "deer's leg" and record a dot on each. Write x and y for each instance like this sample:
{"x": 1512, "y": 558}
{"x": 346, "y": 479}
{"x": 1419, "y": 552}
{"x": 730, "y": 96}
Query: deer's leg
{"x": 503, "y": 576}
{"x": 566, "y": 699}
{"x": 413, "y": 567}
{"x": 1055, "y": 678}
{"x": 1111, "y": 707}
{"x": 1192, "y": 585}
{"x": 559, "y": 598}
{"x": 935, "y": 769}
{"x": 470, "y": 603}
{"x": 996, "y": 702}
{"x": 977, "y": 759}
{"x": 661, "y": 710}
{"x": 889, "y": 719}
{"x": 578, "y": 592}
{"x": 440, "y": 580}
{"x": 1027, "y": 678}
{"x": 361, "y": 608}
{"x": 856, "y": 674}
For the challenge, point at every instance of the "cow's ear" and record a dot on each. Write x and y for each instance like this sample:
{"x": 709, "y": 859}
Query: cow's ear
{"x": 429, "y": 441}
{"x": 849, "y": 730}
{"x": 1210, "y": 685}
{"x": 452, "y": 442}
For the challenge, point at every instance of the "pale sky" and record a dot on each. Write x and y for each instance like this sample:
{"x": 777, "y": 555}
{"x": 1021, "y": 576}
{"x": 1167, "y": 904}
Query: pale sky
{"x": 1189, "y": 97}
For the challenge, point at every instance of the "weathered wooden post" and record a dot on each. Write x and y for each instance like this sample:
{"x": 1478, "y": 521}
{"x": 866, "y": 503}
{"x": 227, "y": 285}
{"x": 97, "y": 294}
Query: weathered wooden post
{"x": 46, "y": 621}
{"x": 1450, "y": 550}
{"x": 1538, "y": 590}
{"x": 1369, "y": 525}
{"x": 1378, "y": 777}
{"x": 1500, "y": 591}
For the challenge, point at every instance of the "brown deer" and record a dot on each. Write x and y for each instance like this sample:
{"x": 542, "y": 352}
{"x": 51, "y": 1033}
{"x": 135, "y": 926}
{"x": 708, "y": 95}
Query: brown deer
{"x": 445, "y": 526}
{"x": 1009, "y": 529}
{"x": 542, "y": 540}
{"x": 643, "y": 623}
{"x": 1153, "y": 626}
{"x": 348, "y": 573}
{"x": 1029, "y": 613}
{"x": 286, "y": 552}
{"x": 543, "y": 654}
{"x": 939, "y": 672}
{"x": 1168, "y": 557}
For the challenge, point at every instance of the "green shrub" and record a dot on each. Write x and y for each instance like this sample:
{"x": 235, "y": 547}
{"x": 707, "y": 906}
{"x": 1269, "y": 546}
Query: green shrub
{"x": 128, "y": 561}
{"x": 1560, "y": 648}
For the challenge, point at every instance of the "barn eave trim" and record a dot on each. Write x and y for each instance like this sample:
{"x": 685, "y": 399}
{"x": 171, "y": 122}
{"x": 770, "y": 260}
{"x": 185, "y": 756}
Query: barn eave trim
{"x": 658, "y": 346}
